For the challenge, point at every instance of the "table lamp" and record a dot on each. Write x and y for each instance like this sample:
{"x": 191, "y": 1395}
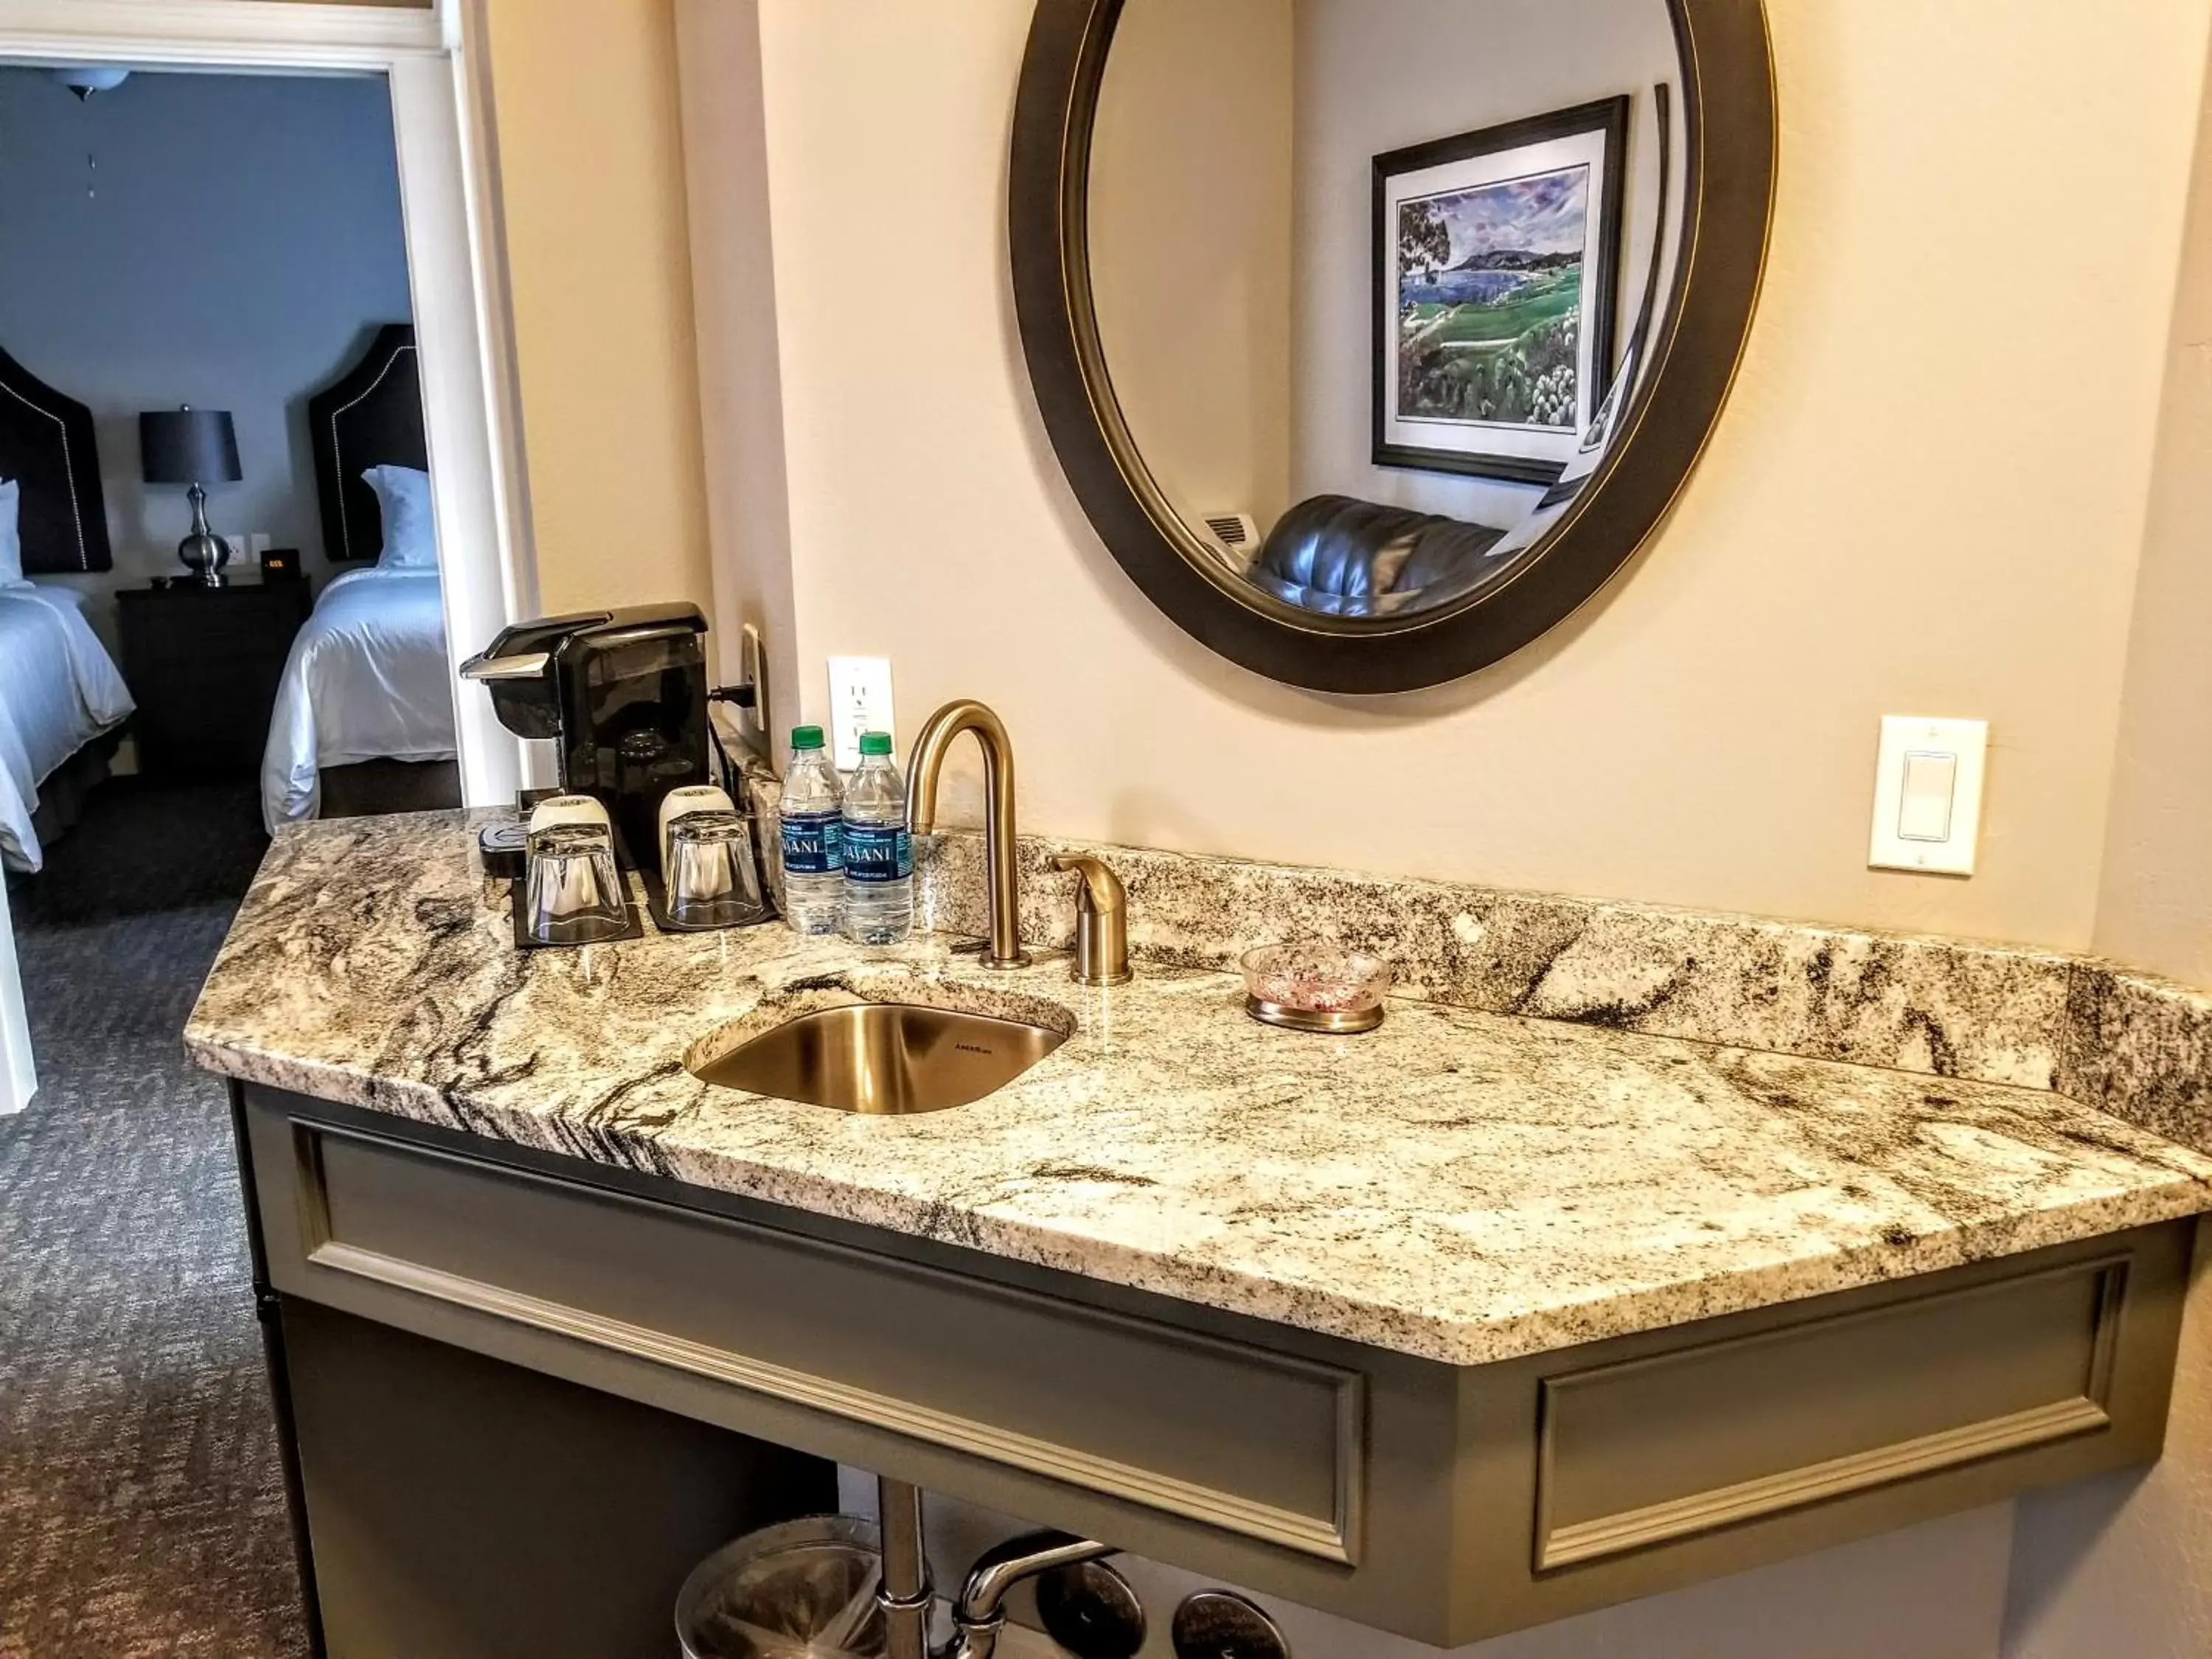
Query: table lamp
{"x": 192, "y": 446}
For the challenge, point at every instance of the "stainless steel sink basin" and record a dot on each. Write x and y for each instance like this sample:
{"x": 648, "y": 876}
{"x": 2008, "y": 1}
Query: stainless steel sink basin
{"x": 881, "y": 1057}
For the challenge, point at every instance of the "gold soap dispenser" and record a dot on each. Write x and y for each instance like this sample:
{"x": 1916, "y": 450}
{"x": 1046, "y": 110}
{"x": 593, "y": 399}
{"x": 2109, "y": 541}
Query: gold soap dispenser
{"x": 1102, "y": 924}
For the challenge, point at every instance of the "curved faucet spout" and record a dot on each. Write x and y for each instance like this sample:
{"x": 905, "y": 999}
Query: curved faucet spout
{"x": 980, "y": 1615}
{"x": 1003, "y": 890}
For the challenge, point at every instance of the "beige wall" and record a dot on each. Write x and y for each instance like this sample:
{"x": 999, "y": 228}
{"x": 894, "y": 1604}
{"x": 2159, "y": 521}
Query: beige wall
{"x": 1190, "y": 246}
{"x": 2155, "y": 904}
{"x": 1924, "y": 498}
{"x": 2120, "y": 1565}
{"x": 591, "y": 175}
{"x": 733, "y": 285}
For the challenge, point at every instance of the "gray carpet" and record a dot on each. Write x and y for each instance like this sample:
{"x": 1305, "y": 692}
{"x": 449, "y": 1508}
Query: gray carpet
{"x": 140, "y": 1507}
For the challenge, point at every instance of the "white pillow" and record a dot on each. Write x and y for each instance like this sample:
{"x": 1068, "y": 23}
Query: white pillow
{"x": 411, "y": 532}
{"x": 11, "y": 542}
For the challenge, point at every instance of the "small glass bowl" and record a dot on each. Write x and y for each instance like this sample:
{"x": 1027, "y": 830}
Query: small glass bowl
{"x": 1311, "y": 985}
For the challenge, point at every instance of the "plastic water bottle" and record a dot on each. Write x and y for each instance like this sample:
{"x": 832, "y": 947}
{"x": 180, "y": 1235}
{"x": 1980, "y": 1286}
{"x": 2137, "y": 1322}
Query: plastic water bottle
{"x": 811, "y": 819}
{"x": 878, "y": 851}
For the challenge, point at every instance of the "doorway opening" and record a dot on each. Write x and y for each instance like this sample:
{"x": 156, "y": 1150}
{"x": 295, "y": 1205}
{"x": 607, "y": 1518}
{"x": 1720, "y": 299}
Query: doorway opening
{"x": 345, "y": 318}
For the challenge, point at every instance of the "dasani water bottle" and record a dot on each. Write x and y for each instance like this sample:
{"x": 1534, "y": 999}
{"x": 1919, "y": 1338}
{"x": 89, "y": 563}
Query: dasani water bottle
{"x": 878, "y": 851}
{"x": 812, "y": 818}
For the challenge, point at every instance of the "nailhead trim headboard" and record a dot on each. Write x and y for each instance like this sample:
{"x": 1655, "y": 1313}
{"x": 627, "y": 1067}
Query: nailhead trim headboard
{"x": 370, "y": 415}
{"x": 47, "y": 446}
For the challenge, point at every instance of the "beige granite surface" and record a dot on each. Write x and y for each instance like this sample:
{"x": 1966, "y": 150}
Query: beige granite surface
{"x": 2132, "y": 1044}
{"x": 1461, "y": 1185}
{"x": 2136, "y": 1045}
{"x": 1960, "y": 1008}
{"x": 2140, "y": 1047}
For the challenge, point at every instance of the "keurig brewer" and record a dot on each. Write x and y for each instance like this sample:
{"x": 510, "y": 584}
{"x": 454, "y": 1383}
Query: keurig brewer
{"x": 622, "y": 696}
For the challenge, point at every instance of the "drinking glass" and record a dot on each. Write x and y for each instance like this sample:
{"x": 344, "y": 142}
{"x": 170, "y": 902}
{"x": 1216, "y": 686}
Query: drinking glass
{"x": 712, "y": 880}
{"x": 575, "y": 893}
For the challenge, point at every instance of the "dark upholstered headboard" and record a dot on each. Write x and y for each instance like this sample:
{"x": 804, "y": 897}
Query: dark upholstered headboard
{"x": 371, "y": 415}
{"x": 47, "y": 446}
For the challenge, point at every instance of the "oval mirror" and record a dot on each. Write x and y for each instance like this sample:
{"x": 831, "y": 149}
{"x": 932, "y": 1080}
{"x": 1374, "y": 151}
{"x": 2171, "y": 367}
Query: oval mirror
{"x": 1374, "y": 335}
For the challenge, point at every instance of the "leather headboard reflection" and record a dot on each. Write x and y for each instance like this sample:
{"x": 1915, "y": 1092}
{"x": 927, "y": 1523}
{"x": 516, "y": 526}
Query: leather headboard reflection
{"x": 370, "y": 415}
{"x": 1341, "y": 556}
{"x": 46, "y": 444}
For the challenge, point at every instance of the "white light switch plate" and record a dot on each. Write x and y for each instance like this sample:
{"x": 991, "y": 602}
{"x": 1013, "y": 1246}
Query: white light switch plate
{"x": 860, "y": 701}
{"x": 1928, "y": 794}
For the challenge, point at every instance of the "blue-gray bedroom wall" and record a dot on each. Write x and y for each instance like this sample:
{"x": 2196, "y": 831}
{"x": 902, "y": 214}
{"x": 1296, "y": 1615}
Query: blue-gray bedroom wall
{"x": 229, "y": 241}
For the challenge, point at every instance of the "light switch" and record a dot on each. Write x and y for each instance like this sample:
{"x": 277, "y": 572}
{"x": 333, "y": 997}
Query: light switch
{"x": 860, "y": 701}
{"x": 1928, "y": 794}
{"x": 1923, "y": 812}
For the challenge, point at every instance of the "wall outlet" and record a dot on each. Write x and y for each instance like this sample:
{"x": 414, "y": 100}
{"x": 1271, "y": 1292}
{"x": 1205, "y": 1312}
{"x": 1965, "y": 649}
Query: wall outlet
{"x": 860, "y": 701}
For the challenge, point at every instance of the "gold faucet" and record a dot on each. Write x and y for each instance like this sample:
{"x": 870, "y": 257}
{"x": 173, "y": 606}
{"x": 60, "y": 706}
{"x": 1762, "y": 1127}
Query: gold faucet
{"x": 1002, "y": 889}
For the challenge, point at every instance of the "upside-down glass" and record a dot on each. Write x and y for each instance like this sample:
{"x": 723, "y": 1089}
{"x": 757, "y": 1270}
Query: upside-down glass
{"x": 574, "y": 894}
{"x": 712, "y": 878}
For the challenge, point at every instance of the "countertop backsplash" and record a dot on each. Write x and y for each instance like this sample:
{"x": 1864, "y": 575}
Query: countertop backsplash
{"x": 2128, "y": 1042}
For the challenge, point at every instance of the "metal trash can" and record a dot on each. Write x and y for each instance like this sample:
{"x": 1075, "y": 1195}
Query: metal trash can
{"x": 803, "y": 1589}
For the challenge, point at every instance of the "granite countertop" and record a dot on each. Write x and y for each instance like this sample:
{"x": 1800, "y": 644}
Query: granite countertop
{"x": 1459, "y": 1185}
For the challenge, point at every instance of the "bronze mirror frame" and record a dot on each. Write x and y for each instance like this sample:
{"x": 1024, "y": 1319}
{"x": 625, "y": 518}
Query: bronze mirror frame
{"x": 1728, "y": 130}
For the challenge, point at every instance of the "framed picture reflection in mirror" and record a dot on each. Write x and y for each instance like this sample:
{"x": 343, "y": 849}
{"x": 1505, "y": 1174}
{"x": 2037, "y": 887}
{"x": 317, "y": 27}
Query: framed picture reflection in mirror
{"x": 1497, "y": 257}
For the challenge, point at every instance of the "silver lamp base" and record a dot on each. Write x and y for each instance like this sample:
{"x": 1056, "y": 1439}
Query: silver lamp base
{"x": 203, "y": 553}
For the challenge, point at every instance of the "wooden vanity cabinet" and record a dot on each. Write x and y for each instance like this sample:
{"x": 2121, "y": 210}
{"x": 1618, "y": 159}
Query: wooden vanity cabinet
{"x": 1441, "y": 1502}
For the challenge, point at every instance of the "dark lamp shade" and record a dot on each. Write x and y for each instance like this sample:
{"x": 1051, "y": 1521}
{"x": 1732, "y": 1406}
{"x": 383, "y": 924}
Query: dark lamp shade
{"x": 188, "y": 446}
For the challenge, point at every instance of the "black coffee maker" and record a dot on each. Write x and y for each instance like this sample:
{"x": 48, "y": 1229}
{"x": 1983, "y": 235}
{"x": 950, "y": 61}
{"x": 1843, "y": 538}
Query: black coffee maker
{"x": 622, "y": 696}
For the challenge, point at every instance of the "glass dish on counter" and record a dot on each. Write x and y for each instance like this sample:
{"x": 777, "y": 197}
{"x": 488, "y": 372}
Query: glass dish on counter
{"x": 1314, "y": 985}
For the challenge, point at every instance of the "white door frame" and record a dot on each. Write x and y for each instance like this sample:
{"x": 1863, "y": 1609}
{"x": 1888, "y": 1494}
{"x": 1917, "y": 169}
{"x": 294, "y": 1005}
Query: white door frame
{"x": 432, "y": 59}
{"x": 19, "y": 1080}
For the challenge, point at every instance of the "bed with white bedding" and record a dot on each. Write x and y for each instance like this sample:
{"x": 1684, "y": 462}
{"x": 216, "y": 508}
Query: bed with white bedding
{"x": 367, "y": 680}
{"x": 59, "y": 690}
{"x": 60, "y": 694}
{"x": 363, "y": 720}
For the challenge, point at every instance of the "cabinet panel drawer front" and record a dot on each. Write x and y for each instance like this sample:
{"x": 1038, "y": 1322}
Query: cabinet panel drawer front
{"x": 1685, "y": 1442}
{"x": 1263, "y": 1444}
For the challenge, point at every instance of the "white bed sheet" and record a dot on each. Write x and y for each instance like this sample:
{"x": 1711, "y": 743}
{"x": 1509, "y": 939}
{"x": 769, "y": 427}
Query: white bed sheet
{"x": 59, "y": 690}
{"x": 368, "y": 679}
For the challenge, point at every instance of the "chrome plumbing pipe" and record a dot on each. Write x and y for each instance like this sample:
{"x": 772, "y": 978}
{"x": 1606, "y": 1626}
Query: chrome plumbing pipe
{"x": 903, "y": 1591}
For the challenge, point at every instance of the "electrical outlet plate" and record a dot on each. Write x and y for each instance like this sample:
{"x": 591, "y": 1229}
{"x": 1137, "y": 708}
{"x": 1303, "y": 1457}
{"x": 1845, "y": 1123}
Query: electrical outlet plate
{"x": 758, "y": 723}
{"x": 1928, "y": 794}
{"x": 860, "y": 701}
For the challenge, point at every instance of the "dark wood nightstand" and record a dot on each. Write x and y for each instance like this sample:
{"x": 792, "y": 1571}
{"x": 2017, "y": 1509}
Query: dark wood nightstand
{"x": 204, "y": 664}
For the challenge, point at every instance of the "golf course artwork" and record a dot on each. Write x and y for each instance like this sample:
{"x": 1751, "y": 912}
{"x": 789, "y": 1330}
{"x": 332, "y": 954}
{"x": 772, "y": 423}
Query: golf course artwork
{"x": 1495, "y": 287}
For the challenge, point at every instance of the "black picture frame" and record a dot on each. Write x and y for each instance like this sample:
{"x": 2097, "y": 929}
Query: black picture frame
{"x": 1608, "y": 119}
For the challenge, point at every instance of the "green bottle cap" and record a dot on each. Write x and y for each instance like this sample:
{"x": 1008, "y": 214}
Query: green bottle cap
{"x": 875, "y": 742}
{"x": 805, "y": 737}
